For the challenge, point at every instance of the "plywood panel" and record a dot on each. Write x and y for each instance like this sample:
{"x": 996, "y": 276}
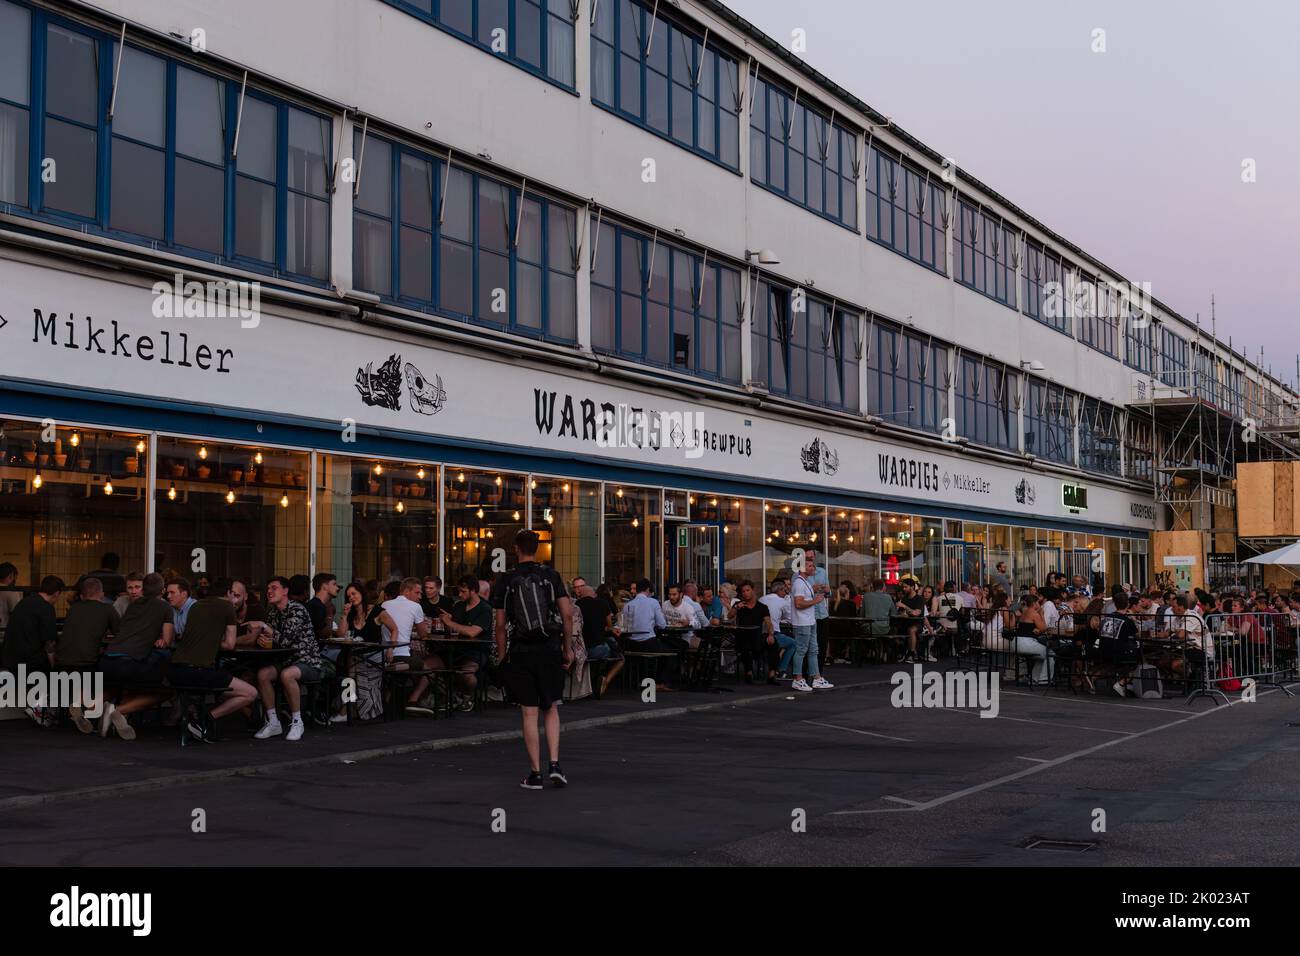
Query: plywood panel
{"x": 1179, "y": 544}
{"x": 1283, "y": 495}
{"x": 1255, "y": 499}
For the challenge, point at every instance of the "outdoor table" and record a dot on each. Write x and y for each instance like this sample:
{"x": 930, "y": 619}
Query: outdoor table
{"x": 256, "y": 657}
{"x": 862, "y": 635}
{"x": 701, "y": 663}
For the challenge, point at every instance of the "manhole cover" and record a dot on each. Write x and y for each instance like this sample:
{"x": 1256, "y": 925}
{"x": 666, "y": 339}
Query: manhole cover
{"x": 1064, "y": 846}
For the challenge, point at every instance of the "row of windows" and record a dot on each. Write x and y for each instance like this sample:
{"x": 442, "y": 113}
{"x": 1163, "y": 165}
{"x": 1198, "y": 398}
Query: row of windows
{"x": 805, "y": 348}
{"x": 987, "y": 403}
{"x": 537, "y": 35}
{"x": 1099, "y": 437}
{"x": 444, "y": 238}
{"x": 985, "y": 246}
{"x": 168, "y": 155}
{"x": 1097, "y": 308}
{"x": 1044, "y": 277}
{"x": 907, "y": 378}
{"x": 906, "y": 211}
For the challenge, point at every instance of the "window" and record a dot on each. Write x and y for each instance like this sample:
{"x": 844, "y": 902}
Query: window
{"x": 1139, "y": 447}
{"x": 800, "y": 154}
{"x": 1096, "y": 307}
{"x": 985, "y": 249}
{"x": 1173, "y": 359}
{"x": 535, "y": 35}
{"x": 1049, "y": 421}
{"x": 1044, "y": 289}
{"x": 1139, "y": 338}
{"x": 804, "y": 350}
{"x": 907, "y": 378}
{"x": 665, "y": 305}
{"x": 986, "y": 403}
{"x": 161, "y": 168}
{"x": 451, "y": 241}
{"x": 15, "y": 102}
{"x": 1100, "y": 431}
{"x": 659, "y": 74}
{"x": 906, "y": 211}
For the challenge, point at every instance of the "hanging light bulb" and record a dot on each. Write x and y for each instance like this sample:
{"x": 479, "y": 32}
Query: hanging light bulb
{"x": 550, "y": 519}
{"x": 851, "y": 539}
{"x": 515, "y": 516}
{"x": 479, "y": 514}
{"x": 766, "y": 506}
{"x": 532, "y": 485}
{"x": 258, "y": 458}
{"x": 75, "y": 439}
{"x": 726, "y": 529}
{"x": 565, "y": 487}
{"x": 38, "y": 481}
{"x": 461, "y": 476}
{"x": 840, "y": 515}
{"x": 713, "y": 502}
{"x": 636, "y": 522}
{"x": 776, "y": 533}
{"x": 400, "y": 507}
{"x": 203, "y": 452}
{"x": 230, "y": 497}
{"x": 284, "y": 501}
{"x": 785, "y": 509}
{"x": 834, "y": 536}
{"x": 171, "y": 492}
{"x": 806, "y": 511}
{"x": 619, "y": 493}
{"x": 420, "y": 474}
{"x": 692, "y": 499}
{"x": 139, "y": 447}
{"x": 108, "y": 486}
{"x": 860, "y": 517}
{"x": 813, "y": 537}
{"x": 379, "y": 469}
{"x": 735, "y": 504}
{"x": 498, "y": 481}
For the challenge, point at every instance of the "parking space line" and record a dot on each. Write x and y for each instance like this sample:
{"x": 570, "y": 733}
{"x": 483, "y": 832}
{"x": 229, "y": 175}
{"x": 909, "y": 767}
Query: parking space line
{"x": 910, "y": 803}
{"x": 1034, "y": 759}
{"x": 854, "y": 730}
{"x": 1046, "y": 723}
{"x": 1104, "y": 703}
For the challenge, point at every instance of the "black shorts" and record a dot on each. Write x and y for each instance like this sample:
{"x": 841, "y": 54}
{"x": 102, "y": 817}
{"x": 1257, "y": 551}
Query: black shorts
{"x": 127, "y": 670}
{"x": 534, "y": 674}
{"x": 191, "y": 675}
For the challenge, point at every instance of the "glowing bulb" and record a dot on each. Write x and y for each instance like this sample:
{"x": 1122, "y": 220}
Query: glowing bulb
{"x": 776, "y": 534}
{"x": 851, "y": 539}
{"x": 726, "y": 530}
{"x": 619, "y": 493}
{"x": 840, "y": 515}
{"x": 735, "y": 504}
{"x": 766, "y": 506}
{"x": 258, "y": 458}
{"x": 713, "y": 502}
{"x": 284, "y": 501}
{"x": 171, "y": 492}
{"x": 379, "y": 469}
{"x": 806, "y": 511}
{"x": 420, "y": 474}
{"x": 203, "y": 452}
{"x": 550, "y": 519}
{"x": 75, "y": 439}
{"x": 692, "y": 499}
{"x": 860, "y": 517}
{"x": 532, "y": 485}
{"x": 38, "y": 481}
{"x": 813, "y": 537}
{"x": 498, "y": 481}
{"x": 835, "y": 537}
{"x": 461, "y": 476}
{"x": 565, "y": 487}
{"x": 400, "y": 507}
{"x": 636, "y": 522}
{"x": 230, "y": 497}
{"x": 108, "y": 487}
{"x": 785, "y": 509}
{"x": 479, "y": 513}
{"x": 139, "y": 447}
{"x": 515, "y": 516}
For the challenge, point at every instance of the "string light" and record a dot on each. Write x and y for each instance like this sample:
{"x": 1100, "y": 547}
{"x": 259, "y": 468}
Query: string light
{"x": 636, "y": 522}
{"x": 532, "y": 485}
{"x": 565, "y": 487}
{"x": 692, "y": 499}
{"x": 38, "y": 481}
{"x": 461, "y": 476}
{"x": 735, "y": 504}
{"x": 203, "y": 452}
{"x": 75, "y": 439}
{"x": 258, "y": 458}
{"x": 515, "y": 516}
{"x": 420, "y": 474}
{"x": 284, "y": 501}
{"x": 108, "y": 486}
{"x": 498, "y": 481}
{"x": 230, "y": 497}
{"x": 479, "y": 514}
{"x": 851, "y": 539}
{"x": 726, "y": 529}
{"x": 379, "y": 469}
{"x": 785, "y": 509}
{"x": 766, "y": 506}
{"x": 400, "y": 507}
{"x": 806, "y": 511}
{"x": 139, "y": 447}
{"x": 841, "y": 514}
{"x": 713, "y": 502}
{"x": 171, "y": 492}
{"x": 619, "y": 493}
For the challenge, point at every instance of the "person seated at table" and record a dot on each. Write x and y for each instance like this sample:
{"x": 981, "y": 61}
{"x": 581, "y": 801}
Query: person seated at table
{"x": 877, "y": 607}
{"x": 1030, "y": 627}
{"x": 840, "y": 630}
{"x": 248, "y": 611}
{"x": 136, "y": 657}
{"x": 88, "y": 625}
{"x": 757, "y": 642}
{"x": 288, "y": 625}
{"x": 712, "y": 604}
{"x": 779, "y": 609}
{"x": 471, "y": 619}
{"x": 210, "y": 629}
{"x": 1189, "y": 628}
{"x": 597, "y": 635}
{"x": 912, "y": 606}
{"x": 680, "y": 611}
{"x": 643, "y": 617}
{"x": 134, "y": 583}
{"x": 1117, "y": 643}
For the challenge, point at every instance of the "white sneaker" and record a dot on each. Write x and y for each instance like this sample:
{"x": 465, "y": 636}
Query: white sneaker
{"x": 339, "y": 719}
{"x": 931, "y": 659}
{"x": 79, "y": 718}
{"x": 271, "y": 728}
{"x": 296, "y": 730}
{"x": 1119, "y": 689}
{"x": 821, "y": 683}
{"x": 801, "y": 684}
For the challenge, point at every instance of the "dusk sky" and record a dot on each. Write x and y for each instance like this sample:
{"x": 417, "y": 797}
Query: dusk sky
{"x": 1134, "y": 154}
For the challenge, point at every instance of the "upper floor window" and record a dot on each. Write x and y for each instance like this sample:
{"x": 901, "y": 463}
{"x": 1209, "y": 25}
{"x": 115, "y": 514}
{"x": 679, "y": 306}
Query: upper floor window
{"x": 799, "y": 153}
{"x": 658, "y": 303}
{"x": 985, "y": 260}
{"x": 987, "y": 394}
{"x": 156, "y": 158}
{"x": 907, "y": 378}
{"x": 536, "y": 35}
{"x": 1044, "y": 289}
{"x": 450, "y": 240}
{"x": 1100, "y": 433}
{"x": 906, "y": 211}
{"x": 661, "y": 75}
{"x": 805, "y": 348}
{"x": 1049, "y": 421}
{"x": 1172, "y": 359}
{"x": 1096, "y": 308}
{"x": 1139, "y": 337}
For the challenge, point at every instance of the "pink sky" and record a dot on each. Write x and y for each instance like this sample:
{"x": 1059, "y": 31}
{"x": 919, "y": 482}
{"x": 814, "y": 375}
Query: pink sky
{"x": 1134, "y": 154}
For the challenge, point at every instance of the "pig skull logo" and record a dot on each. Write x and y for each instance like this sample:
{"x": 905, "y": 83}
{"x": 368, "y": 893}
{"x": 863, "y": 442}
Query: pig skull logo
{"x": 427, "y": 397}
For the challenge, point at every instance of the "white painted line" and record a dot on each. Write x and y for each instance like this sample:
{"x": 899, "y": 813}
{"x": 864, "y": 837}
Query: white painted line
{"x": 1105, "y": 702}
{"x": 1046, "y": 723}
{"x": 1046, "y": 765}
{"x": 1033, "y": 759}
{"x": 854, "y": 730}
{"x": 910, "y": 803}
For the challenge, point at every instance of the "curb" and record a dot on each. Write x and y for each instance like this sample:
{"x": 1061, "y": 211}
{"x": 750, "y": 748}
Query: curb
{"x": 420, "y": 746}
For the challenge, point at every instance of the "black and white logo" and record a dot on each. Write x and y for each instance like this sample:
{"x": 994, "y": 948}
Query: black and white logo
{"x": 1025, "y": 492}
{"x": 819, "y": 457}
{"x": 427, "y": 397}
{"x": 383, "y": 389}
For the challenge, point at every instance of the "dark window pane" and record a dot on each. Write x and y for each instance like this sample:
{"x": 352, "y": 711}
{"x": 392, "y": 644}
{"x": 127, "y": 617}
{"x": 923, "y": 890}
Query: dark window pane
{"x": 683, "y": 115}
{"x": 493, "y": 216}
{"x": 657, "y": 344}
{"x": 200, "y": 207}
{"x": 562, "y": 307}
{"x": 458, "y": 206}
{"x": 375, "y": 174}
{"x": 15, "y": 52}
{"x": 254, "y": 220}
{"x": 602, "y": 317}
{"x": 73, "y": 151}
{"x": 683, "y": 339}
{"x": 200, "y": 116}
{"x": 629, "y": 91}
{"x": 528, "y": 297}
{"x": 455, "y": 278}
{"x": 494, "y": 24}
{"x": 528, "y": 32}
{"x": 656, "y": 101}
{"x": 13, "y": 154}
{"x": 529, "y": 248}
{"x": 560, "y": 223}
{"x": 629, "y": 30}
{"x": 629, "y": 321}
{"x": 136, "y": 197}
{"x": 371, "y": 266}
{"x": 415, "y": 271}
{"x": 257, "y": 139}
{"x": 417, "y": 192}
{"x": 142, "y": 98}
{"x": 493, "y": 288}
{"x": 602, "y": 73}
{"x": 72, "y": 76}
{"x": 308, "y": 237}
{"x": 457, "y": 14}
{"x": 308, "y": 152}
{"x": 559, "y": 49}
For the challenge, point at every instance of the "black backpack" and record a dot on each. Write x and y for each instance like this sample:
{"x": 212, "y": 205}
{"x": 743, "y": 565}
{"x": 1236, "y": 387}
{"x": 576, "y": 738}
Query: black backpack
{"x": 530, "y": 606}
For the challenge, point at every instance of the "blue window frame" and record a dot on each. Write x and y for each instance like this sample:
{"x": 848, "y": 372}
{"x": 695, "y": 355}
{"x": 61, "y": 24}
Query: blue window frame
{"x": 682, "y": 89}
{"x": 985, "y": 247}
{"x": 534, "y": 35}
{"x": 1096, "y": 308}
{"x": 162, "y": 169}
{"x": 907, "y": 378}
{"x": 804, "y": 348}
{"x": 1044, "y": 289}
{"x": 658, "y": 303}
{"x": 905, "y": 211}
{"x": 1173, "y": 359}
{"x": 1099, "y": 437}
{"x": 986, "y": 403}
{"x": 797, "y": 153}
{"x": 1049, "y": 421}
{"x": 1139, "y": 343}
{"x": 453, "y": 241}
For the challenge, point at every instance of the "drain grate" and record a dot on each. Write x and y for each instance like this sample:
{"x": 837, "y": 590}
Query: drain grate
{"x": 1063, "y": 846}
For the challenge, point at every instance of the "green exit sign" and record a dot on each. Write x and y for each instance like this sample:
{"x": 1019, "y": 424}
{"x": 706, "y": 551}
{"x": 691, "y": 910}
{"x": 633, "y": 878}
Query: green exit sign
{"x": 682, "y": 541}
{"x": 1074, "y": 498}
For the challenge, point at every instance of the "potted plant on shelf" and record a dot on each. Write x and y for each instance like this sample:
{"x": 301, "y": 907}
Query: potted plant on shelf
{"x": 178, "y": 469}
{"x": 236, "y": 474}
{"x": 84, "y": 462}
{"x": 29, "y": 454}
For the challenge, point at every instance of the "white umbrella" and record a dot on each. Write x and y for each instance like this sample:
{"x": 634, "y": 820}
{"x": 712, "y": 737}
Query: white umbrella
{"x": 1287, "y": 555}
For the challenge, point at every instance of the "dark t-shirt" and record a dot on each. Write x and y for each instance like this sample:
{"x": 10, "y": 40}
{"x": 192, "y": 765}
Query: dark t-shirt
{"x": 594, "y": 612}
{"x": 31, "y": 624}
{"x": 433, "y": 608}
{"x": 84, "y": 630}
{"x": 1117, "y": 633}
{"x": 478, "y": 616}
{"x": 915, "y": 602}
{"x": 501, "y": 588}
{"x": 205, "y": 629}
{"x": 752, "y": 616}
{"x": 142, "y": 625}
{"x": 318, "y": 613}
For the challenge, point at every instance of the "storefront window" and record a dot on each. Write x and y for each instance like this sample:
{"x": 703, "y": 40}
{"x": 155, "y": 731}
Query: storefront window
{"x": 927, "y": 544}
{"x": 66, "y": 502}
{"x": 376, "y": 520}
{"x": 633, "y": 540}
{"x": 1024, "y": 557}
{"x": 998, "y": 548}
{"x": 895, "y": 547}
{"x": 566, "y": 516}
{"x": 852, "y": 548}
{"x": 791, "y": 526}
{"x": 231, "y": 510}
{"x": 484, "y": 512}
{"x": 742, "y": 536}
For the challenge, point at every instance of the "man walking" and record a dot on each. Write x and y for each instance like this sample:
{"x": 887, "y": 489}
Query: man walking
{"x": 532, "y": 603}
